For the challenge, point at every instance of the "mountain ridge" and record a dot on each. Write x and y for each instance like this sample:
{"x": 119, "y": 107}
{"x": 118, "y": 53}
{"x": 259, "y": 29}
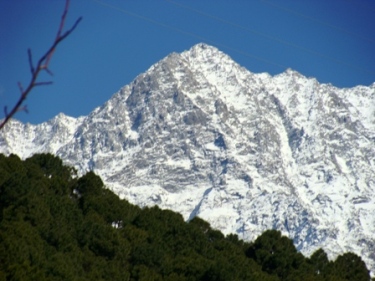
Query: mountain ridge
{"x": 201, "y": 135}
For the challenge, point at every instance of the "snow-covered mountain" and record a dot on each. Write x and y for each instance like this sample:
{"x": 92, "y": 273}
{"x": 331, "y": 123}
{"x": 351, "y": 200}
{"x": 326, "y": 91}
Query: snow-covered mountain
{"x": 203, "y": 136}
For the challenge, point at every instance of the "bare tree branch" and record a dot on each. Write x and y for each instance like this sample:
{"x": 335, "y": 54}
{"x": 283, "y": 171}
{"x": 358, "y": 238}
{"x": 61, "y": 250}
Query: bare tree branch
{"x": 42, "y": 64}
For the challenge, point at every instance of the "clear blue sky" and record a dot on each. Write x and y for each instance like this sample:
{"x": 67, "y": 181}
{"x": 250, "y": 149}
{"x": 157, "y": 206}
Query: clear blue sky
{"x": 332, "y": 40}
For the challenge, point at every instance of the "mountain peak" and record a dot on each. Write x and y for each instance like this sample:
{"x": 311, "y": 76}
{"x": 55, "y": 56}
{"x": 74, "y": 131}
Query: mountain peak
{"x": 203, "y": 47}
{"x": 204, "y": 52}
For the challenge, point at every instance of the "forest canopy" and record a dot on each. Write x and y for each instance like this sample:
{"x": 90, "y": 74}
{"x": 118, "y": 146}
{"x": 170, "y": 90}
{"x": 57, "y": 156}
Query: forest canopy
{"x": 57, "y": 226}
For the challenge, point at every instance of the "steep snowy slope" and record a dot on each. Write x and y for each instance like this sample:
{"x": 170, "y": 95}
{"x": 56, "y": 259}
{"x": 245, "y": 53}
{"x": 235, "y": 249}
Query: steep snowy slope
{"x": 201, "y": 135}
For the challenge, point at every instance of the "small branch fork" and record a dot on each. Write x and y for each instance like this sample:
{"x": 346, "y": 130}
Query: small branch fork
{"x": 42, "y": 64}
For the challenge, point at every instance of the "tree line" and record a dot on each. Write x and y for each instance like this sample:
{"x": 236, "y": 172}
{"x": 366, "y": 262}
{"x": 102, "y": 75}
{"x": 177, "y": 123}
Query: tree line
{"x": 57, "y": 226}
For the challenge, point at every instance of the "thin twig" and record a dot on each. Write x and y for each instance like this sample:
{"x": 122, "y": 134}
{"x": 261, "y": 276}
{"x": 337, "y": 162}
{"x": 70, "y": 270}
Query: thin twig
{"x": 31, "y": 61}
{"x": 20, "y": 87}
{"x": 42, "y": 64}
{"x": 43, "y": 83}
{"x": 58, "y": 31}
{"x": 24, "y": 108}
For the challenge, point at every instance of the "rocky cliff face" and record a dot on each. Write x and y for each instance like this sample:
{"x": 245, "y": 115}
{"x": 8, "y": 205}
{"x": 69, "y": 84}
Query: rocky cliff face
{"x": 201, "y": 135}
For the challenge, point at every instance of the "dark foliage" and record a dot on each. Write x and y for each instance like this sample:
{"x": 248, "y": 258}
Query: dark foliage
{"x": 55, "y": 226}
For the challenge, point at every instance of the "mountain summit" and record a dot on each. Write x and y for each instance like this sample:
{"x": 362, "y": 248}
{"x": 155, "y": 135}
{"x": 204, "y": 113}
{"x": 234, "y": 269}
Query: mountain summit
{"x": 201, "y": 135}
